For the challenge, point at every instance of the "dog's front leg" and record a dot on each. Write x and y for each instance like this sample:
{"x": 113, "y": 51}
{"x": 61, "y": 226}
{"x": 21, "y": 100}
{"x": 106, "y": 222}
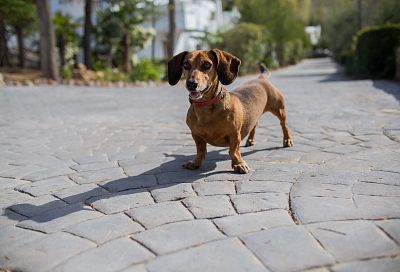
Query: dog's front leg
{"x": 201, "y": 147}
{"x": 238, "y": 164}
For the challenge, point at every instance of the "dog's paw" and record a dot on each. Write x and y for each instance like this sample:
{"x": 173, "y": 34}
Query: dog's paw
{"x": 241, "y": 168}
{"x": 250, "y": 142}
{"x": 190, "y": 165}
{"x": 287, "y": 142}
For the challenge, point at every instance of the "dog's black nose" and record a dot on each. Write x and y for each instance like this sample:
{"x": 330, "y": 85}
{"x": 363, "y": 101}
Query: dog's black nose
{"x": 191, "y": 84}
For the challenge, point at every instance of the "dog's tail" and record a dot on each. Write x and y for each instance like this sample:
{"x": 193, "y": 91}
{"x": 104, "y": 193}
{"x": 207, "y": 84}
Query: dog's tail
{"x": 263, "y": 69}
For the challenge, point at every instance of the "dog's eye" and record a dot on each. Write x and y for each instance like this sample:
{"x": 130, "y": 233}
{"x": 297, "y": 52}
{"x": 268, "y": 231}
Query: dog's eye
{"x": 186, "y": 65}
{"x": 206, "y": 65}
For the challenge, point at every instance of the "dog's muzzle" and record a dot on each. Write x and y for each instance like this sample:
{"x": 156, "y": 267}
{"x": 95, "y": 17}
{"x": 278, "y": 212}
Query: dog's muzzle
{"x": 192, "y": 84}
{"x": 196, "y": 91}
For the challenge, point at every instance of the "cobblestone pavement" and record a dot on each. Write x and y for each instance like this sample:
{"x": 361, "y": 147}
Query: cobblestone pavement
{"x": 91, "y": 180}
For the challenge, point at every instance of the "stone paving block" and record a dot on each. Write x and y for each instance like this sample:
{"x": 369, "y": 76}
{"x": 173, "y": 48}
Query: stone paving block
{"x": 376, "y": 189}
{"x": 352, "y": 240}
{"x": 323, "y": 175}
{"x": 45, "y": 253}
{"x": 263, "y": 187}
{"x": 91, "y": 159}
{"x": 319, "y": 209}
{"x": 80, "y": 193}
{"x": 316, "y": 157}
{"x": 172, "y": 192}
{"x": 135, "y": 268}
{"x": 10, "y": 183}
{"x": 94, "y": 166}
{"x": 382, "y": 265}
{"x": 182, "y": 176}
{"x": 214, "y": 188}
{"x": 10, "y": 197}
{"x": 243, "y": 223}
{"x": 58, "y": 219}
{"x": 160, "y": 213}
{"x": 287, "y": 249}
{"x": 381, "y": 177}
{"x": 21, "y": 171}
{"x": 46, "y": 186}
{"x": 8, "y": 218}
{"x": 177, "y": 236}
{"x": 245, "y": 203}
{"x": 142, "y": 181}
{"x": 147, "y": 157}
{"x": 132, "y": 168}
{"x": 226, "y": 176}
{"x": 105, "y": 228}
{"x": 11, "y": 237}
{"x": 209, "y": 206}
{"x": 112, "y": 256}
{"x": 98, "y": 176}
{"x": 391, "y": 227}
{"x": 37, "y": 205}
{"x": 377, "y": 207}
{"x": 321, "y": 269}
{"x": 122, "y": 201}
{"x": 225, "y": 255}
{"x": 317, "y": 189}
{"x": 274, "y": 176}
{"x": 48, "y": 173}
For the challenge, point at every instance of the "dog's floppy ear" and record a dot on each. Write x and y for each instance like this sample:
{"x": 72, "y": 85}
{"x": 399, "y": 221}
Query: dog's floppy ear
{"x": 227, "y": 67}
{"x": 175, "y": 68}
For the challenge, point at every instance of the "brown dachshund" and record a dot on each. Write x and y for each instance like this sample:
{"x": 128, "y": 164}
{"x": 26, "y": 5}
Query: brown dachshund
{"x": 217, "y": 116}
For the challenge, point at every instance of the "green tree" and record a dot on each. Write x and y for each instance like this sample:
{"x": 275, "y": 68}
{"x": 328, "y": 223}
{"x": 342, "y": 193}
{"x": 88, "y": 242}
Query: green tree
{"x": 283, "y": 19}
{"x": 246, "y": 41}
{"x": 66, "y": 36}
{"x": 20, "y": 15}
{"x": 108, "y": 35}
{"x": 342, "y": 19}
{"x": 126, "y": 17}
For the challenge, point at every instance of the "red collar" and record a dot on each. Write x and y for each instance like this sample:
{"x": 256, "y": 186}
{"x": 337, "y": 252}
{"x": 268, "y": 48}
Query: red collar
{"x": 213, "y": 100}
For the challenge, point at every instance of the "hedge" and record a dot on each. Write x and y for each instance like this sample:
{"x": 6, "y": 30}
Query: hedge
{"x": 373, "y": 53}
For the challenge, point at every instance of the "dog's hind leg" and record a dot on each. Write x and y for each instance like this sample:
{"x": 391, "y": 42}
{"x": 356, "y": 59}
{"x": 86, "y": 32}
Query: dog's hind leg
{"x": 251, "y": 139}
{"x": 287, "y": 137}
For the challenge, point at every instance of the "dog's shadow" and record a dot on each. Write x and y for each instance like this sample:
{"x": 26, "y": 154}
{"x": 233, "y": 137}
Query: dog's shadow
{"x": 167, "y": 174}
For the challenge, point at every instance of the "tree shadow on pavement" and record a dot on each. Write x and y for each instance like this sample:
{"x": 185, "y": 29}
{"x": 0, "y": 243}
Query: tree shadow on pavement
{"x": 388, "y": 86}
{"x": 167, "y": 174}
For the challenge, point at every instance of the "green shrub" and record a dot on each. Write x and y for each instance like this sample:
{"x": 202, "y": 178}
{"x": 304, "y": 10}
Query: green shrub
{"x": 373, "y": 52}
{"x": 147, "y": 70}
{"x": 66, "y": 72}
{"x": 246, "y": 41}
{"x": 99, "y": 64}
{"x": 114, "y": 75}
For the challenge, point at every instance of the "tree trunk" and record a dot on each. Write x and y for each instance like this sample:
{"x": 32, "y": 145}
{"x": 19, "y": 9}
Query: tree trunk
{"x": 127, "y": 54}
{"x": 4, "y": 54}
{"x": 48, "y": 63}
{"x": 280, "y": 55}
{"x": 87, "y": 34}
{"x": 21, "y": 46}
{"x": 62, "y": 46}
{"x": 172, "y": 27}
{"x": 110, "y": 57}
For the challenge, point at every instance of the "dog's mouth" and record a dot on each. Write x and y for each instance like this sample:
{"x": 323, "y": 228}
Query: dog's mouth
{"x": 196, "y": 95}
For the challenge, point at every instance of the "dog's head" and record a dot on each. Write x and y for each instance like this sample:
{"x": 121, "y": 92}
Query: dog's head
{"x": 202, "y": 69}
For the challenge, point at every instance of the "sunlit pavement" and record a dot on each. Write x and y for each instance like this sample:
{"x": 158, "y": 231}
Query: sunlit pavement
{"x": 91, "y": 180}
